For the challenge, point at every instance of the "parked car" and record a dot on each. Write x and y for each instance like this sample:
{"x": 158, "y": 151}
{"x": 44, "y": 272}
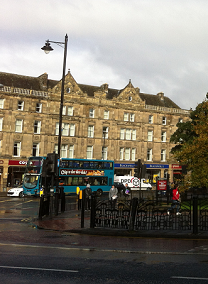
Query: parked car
{"x": 16, "y": 191}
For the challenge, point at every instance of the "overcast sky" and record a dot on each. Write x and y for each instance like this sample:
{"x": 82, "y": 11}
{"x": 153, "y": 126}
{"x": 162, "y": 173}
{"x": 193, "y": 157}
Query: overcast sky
{"x": 161, "y": 45}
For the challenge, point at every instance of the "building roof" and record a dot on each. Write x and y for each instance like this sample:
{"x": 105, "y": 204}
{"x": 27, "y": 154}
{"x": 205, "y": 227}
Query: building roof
{"x": 42, "y": 83}
{"x": 156, "y": 100}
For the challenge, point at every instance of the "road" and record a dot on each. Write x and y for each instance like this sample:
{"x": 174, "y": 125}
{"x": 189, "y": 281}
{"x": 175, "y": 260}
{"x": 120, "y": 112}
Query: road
{"x": 29, "y": 255}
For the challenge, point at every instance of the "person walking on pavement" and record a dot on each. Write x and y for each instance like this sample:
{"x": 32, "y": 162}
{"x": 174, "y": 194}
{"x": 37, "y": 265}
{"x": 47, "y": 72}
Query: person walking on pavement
{"x": 175, "y": 201}
{"x": 113, "y": 195}
{"x": 88, "y": 193}
{"x": 127, "y": 191}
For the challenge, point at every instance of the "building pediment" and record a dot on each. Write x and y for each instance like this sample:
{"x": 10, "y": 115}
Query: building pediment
{"x": 70, "y": 86}
{"x": 129, "y": 95}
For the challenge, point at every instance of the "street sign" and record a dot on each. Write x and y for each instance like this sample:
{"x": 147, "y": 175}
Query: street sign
{"x": 162, "y": 184}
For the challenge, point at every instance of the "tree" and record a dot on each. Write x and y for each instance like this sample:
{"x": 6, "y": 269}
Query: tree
{"x": 192, "y": 145}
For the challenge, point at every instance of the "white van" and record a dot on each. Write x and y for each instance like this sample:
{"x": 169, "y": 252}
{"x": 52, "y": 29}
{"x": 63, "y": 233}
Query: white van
{"x": 133, "y": 182}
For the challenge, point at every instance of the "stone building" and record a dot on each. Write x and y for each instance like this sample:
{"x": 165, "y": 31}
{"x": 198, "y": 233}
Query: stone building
{"x": 98, "y": 122}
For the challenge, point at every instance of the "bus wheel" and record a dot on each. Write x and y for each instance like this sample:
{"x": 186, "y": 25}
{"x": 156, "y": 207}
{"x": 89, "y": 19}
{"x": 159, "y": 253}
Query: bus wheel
{"x": 99, "y": 192}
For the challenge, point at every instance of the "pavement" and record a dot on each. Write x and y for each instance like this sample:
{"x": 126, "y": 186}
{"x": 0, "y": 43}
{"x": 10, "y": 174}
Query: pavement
{"x": 70, "y": 221}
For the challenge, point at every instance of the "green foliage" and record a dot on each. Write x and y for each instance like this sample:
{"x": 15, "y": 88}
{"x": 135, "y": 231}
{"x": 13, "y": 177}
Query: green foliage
{"x": 191, "y": 148}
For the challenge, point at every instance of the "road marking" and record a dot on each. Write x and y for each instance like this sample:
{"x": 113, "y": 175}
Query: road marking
{"x": 23, "y": 202}
{"x": 93, "y": 249}
{"x": 38, "y": 268}
{"x": 191, "y": 278}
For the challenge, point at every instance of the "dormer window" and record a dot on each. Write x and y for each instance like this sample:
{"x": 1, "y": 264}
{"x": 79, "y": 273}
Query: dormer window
{"x": 130, "y": 98}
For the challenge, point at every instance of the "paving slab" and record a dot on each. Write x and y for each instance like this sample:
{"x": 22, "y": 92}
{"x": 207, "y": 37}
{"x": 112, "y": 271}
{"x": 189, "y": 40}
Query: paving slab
{"x": 70, "y": 221}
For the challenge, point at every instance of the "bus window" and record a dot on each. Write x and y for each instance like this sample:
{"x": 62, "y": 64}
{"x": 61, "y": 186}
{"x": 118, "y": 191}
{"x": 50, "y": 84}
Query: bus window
{"x": 76, "y": 164}
{"x": 69, "y": 181}
{"x": 30, "y": 181}
{"x": 86, "y": 165}
{"x": 104, "y": 181}
{"x": 64, "y": 164}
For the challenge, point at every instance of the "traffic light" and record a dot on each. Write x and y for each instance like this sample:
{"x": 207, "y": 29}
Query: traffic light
{"x": 143, "y": 171}
{"x": 137, "y": 169}
{"x": 44, "y": 169}
{"x": 51, "y": 162}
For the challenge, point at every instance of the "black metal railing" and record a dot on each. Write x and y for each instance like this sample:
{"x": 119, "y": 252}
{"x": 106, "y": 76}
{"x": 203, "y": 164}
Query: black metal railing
{"x": 143, "y": 215}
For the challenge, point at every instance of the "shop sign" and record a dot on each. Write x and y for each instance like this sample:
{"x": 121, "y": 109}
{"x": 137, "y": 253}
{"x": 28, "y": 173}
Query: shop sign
{"x": 17, "y": 163}
{"x": 161, "y": 184}
{"x": 176, "y": 167}
{"x": 65, "y": 172}
{"x": 157, "y": 166}
{"x": 1, "y": 162}
{"x": 124, "y": 165}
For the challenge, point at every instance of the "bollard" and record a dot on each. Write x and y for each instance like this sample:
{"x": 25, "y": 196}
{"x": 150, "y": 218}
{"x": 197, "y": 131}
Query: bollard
{"x": 63, "y": 201}
{"x": 41, "y": 207}
{"x": 56, "y": 203}
{"x": 133, "y": 213}
{"x": 83, "y": 209}
{"x": 62, "y": 195}
{"x": 80, "y": 200}
{"x": 92, "y": 213}
{"x": 47, "y": 205}
{"x": 195, "y": 215}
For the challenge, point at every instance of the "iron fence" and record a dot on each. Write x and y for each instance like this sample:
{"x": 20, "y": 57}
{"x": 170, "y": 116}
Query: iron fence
{"x": 151, "y": 215}
{"x": 203, "y": 214}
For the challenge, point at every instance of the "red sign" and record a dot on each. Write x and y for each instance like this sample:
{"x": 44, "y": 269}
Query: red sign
{"x": 162, "y": 184}
{"x": 67, "y": 172}
{"x": 176, "y": 167}
{"x": 17, "y": 163}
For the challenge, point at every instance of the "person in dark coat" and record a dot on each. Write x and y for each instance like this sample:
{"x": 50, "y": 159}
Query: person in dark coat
{"x": 127, "y": 191}
{"x": 88, "y": 193}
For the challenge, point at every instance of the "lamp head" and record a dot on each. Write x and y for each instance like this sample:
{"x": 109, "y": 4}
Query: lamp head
{"x": 47, "y": 47}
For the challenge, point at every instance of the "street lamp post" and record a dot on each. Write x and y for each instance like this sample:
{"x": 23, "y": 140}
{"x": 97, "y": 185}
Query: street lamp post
{"x": 47, "y": 48}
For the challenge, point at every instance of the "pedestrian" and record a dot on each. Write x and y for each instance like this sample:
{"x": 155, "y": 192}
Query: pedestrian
{"x": 113, "y": 195}
{"x": 175, "y": 201}
{"x": 127, "y": 191}
{"x": 88, "y": 193}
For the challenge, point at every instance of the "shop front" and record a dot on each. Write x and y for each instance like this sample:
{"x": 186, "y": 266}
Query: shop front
{"x": 16, "y": 171}
{"x": 123, "y": 169}
{"x": 156, "y": 170}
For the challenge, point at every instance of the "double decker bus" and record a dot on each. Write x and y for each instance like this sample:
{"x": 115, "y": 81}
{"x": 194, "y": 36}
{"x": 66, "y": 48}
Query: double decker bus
{"x": 72, "y": 173}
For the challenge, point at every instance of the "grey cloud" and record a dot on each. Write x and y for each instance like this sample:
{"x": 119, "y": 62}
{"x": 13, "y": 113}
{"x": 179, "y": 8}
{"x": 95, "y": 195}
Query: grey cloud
{"x": 161, "y": 45}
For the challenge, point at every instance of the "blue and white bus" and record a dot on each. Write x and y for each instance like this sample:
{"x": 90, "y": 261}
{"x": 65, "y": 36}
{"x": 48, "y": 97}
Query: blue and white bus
{"x": 72, "y": 173}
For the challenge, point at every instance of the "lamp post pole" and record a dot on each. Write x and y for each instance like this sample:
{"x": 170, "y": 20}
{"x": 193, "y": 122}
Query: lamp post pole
{"x": 62, "y": 96}
{"x": 47, "y": 48}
